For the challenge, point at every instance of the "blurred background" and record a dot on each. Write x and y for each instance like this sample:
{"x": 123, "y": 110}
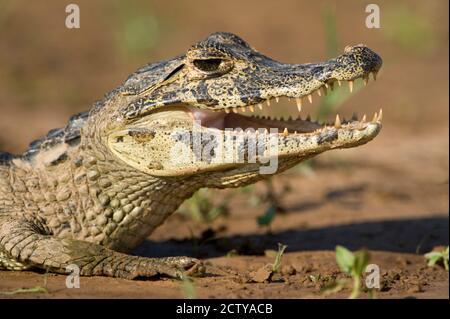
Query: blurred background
{"x": 49, "y": 72}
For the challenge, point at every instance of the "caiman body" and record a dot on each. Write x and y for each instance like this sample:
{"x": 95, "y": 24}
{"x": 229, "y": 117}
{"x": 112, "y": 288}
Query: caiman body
{"x": 92, "y": 191}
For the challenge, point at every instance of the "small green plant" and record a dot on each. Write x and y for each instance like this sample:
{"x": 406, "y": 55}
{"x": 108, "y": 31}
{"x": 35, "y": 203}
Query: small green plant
{"x": 277, "y": 263}
{"x": 232, "y": 253}
{"x": 200, "y": 207}
{"x": 187, "y": 286}
{"x": 315, "y": 278}
{"x": 434, "y": 257}
{"x": 274, "y": 199}
{"x": 268, "y": 216}
{"x": 35, "y": 289}
{"x": 353, "y": 264}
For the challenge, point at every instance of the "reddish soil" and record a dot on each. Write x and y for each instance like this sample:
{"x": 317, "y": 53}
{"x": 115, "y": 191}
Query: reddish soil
{"x": 389, "y": 196}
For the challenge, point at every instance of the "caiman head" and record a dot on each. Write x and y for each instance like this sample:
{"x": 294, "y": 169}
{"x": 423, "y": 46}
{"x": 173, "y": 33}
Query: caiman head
{"x": 173, "y": 118}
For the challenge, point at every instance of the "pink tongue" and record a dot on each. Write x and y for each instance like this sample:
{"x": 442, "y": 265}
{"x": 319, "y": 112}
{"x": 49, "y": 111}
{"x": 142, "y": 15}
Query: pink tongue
{"x": 208, "y": 118}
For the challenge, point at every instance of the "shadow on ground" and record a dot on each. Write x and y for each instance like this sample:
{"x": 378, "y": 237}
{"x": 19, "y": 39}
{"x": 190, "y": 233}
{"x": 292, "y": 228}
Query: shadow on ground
{"x": 405, "y": 236}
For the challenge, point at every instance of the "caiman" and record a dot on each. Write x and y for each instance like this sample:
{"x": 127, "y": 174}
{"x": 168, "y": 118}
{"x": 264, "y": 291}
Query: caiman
{"x": 89, "y": 193}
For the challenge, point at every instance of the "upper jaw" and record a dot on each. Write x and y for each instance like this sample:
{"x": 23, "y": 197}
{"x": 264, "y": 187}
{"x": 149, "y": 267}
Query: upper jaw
{"x": 258, "y": 81}
{"x": 301, "y": 81}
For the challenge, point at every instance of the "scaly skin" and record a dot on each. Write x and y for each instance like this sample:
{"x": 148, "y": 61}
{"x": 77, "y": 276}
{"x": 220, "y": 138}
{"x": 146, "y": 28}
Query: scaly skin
{"x": 92, "y": 191}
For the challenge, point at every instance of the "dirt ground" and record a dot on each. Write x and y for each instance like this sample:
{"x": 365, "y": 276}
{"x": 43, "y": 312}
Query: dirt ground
{"x": 389, "y": 196}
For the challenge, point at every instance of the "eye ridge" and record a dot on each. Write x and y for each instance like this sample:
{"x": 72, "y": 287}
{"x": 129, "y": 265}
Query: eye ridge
{"x": 208, "y": 65}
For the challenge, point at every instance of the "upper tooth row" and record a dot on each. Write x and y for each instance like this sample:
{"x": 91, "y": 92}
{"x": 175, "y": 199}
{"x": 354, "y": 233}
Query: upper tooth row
{"x": 299, "y": 100}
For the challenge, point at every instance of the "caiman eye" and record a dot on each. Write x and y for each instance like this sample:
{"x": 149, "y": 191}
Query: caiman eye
{"x": 208, "y": 65}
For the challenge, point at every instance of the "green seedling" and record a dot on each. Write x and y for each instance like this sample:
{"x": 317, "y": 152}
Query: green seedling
{"x": 273, "y": 199}
{"x": 200, "y": 207}
{"x": 267, "y": 218}
{"x": 353, "y": 264}
{"x": 434, "y": 257}
{"x": 35, "y": 289}
{"x": 187, "y": 286}
{"x": 315, "y": 278}
{"x": 277, "y": 263}
{"x": 232, "y": 253}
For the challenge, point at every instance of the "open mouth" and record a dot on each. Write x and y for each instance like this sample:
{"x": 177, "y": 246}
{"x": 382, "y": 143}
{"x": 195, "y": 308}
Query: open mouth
{"x": 248, "y": 117}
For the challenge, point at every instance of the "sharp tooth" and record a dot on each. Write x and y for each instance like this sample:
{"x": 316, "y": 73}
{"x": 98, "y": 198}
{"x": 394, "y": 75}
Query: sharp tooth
{"x": 285, "y": 132}
{"x": 350, "y": 85}
{"x": 310, "y": 98}
{"x": 243, "y": 109}
{"x": 364, "y": 118}
{"x": 234, "y": 110}
{"x": 374, "y": 74}
{"x": 299, "y": 103}
{"x": 295, "y": 132}
{"x": 375, "y": 116}
{"x": 326, "y": 85}
{"x": 337, "y": 122}
{"x": 339, "y": 82}
{"x": 380, "y": 115}
{"x": 252, "y": 109}
{"x": 319, "y": 93}
{"x": 260, "y": 106}
{"x": 227, "y": 111}
{"x": 266, "y": 131}
{"x": 366, "y": 80}
{"x": 268, "y": 102}
{"x": 277, "y": 99}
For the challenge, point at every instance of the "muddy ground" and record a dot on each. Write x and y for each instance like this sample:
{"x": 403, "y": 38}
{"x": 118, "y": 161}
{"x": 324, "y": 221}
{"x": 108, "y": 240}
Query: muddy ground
{"x": 389, "y": 196}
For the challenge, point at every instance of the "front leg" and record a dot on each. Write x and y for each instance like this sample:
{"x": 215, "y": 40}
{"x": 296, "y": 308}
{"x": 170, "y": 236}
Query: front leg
{"x": 24, "y": 244}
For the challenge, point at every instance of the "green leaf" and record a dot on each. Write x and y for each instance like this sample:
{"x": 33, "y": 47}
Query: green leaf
{"x": 432, "y": 260}
{"x": 36, "y": 289}
{"x": 188, "y": 288}
{"x": 345, "y": 259}
{"x": 277, "y": 263}
{"x": 266, "y": 219}
{"x": 361, "y": 261}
